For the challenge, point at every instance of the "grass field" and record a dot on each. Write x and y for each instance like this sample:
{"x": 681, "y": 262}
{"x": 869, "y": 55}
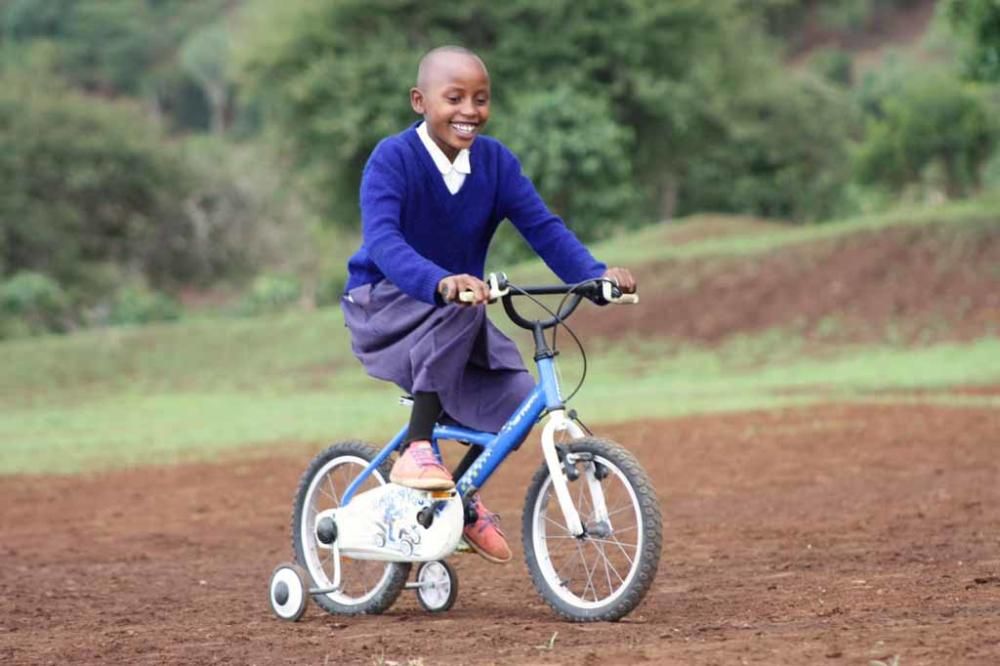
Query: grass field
{"x": 197, "y": 388}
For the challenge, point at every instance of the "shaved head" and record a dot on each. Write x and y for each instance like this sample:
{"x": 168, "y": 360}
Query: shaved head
{"x": 436, "y": 60}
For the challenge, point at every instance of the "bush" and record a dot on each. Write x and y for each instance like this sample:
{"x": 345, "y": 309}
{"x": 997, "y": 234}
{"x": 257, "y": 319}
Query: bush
{"x": 578, "y": 157}
{"x": 87, "y": 182}
{"x": 135, "y": 305}
{"x": 928, "y": 127}
{"x": 834, "y": 65}
{"x": 785, "y": 153}
{"x": 271, "y": 293}
{"x": 32, "y": 303}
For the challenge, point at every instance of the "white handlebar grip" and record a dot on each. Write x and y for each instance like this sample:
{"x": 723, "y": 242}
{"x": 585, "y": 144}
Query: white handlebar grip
{"x": 627, "y": 299}
{"x": 467, "y": 296}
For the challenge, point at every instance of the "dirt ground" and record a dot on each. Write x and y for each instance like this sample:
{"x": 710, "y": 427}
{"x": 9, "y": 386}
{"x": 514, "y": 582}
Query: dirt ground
{"x": 840, "y": 534}
{"x": 919, "y": 285}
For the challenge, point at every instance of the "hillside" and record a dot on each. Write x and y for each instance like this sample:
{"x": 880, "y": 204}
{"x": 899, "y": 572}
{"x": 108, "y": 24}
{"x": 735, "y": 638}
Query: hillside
{"x": 736, "y": 314}
{"x": 906, "y": 282}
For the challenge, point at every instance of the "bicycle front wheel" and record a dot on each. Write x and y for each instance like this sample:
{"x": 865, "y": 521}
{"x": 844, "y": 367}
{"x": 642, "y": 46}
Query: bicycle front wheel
{"x": 605, "y": 573}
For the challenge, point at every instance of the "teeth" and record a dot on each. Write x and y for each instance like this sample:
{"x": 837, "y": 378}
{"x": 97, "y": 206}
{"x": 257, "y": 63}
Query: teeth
{"x": 462, "y": 127}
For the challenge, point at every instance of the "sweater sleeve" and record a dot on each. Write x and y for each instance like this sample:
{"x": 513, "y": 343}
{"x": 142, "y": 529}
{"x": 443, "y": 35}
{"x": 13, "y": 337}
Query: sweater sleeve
{"x": 545, "y": 231}
{"x": 383, "y": 188}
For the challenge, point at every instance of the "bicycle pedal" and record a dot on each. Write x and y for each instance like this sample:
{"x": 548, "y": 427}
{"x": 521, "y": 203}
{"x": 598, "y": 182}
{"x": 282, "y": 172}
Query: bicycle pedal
{"x": 463, "y": 547}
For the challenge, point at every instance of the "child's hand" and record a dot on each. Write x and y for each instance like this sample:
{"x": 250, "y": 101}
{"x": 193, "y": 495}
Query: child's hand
{"x": 623, "y": 277}
{"x": 453, "y": 285}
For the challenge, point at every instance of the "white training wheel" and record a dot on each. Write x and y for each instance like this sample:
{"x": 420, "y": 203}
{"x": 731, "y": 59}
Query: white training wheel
{"x": 288, "y": 591}
{"x": 437, "y": 586}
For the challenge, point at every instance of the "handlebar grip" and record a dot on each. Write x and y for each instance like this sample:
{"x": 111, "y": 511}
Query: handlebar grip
{"x": 626, "y": 299}
{"x": 611, "y": 294}
{"x": 498, "y": 288}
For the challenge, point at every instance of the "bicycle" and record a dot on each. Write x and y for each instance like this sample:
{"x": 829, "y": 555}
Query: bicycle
{"x": 591, "y": 525}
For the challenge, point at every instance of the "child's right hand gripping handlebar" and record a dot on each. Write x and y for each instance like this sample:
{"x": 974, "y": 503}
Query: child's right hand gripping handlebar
{"x": 599, "y": 290}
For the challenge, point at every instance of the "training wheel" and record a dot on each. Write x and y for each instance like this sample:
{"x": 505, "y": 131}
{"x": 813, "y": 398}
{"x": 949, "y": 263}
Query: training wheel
{"x": 288, "y": 591}
{"x": 437, "y": 586}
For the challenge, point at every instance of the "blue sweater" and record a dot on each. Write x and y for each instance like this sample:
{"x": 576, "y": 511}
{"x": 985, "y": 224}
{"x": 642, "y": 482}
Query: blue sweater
{"x": 415, "y": 232}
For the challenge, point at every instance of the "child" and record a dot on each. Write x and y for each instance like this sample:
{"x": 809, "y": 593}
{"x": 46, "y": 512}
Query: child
{"x": 431, "y": 200}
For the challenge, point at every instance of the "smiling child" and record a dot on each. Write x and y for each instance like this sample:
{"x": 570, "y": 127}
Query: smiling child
{"x": 431, "y": 200}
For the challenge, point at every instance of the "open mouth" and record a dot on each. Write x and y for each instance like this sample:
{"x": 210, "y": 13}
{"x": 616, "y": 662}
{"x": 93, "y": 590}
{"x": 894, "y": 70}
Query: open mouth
{"x": 464, "y": 129}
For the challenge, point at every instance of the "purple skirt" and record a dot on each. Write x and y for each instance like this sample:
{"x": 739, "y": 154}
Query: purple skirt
{"x": 454, "y": 351}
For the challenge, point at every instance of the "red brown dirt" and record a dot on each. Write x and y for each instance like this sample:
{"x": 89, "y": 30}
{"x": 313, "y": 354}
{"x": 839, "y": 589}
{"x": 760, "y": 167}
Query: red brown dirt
{"x": 887, "y": 27}
{"x": 906, "y": 285}
{"x": 836, "y": 534}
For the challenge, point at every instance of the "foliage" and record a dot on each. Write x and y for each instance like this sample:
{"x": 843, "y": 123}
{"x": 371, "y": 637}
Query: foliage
{"x": 648, "y": 88}
{"x": 834, "y": 65}
{"x": 928, "y": 126}
{"x": 785, "y": 155}
{"x": 114, "y": 47}
{"x": 95, "y": 197}
{"x": 205, "y": 57}
{"x": 135, "y": 304}
{"x": 271, "y": 293}
{"x": 791, "y": 19}
{"x": 977, "y": 23}
{"x": 31, "y": 303}
{"x": 580, "y": 156}
{"x": 86, "y": 185}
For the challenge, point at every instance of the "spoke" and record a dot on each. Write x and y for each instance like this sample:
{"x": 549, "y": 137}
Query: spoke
{"x": 613, "y": 542}
{"x": 625, "y": 504}
{"x": 624, "y": 508}
{"x": 625, "y": 529}
{"x": 557, "y": 524}
{"x": 333, "y": 490}
{"x": 607, "y": 572}
{"x": 590, "y": 575}
{"x": 615, "y": 569}
{"x": 567, "y": 563}
{"x": 324, "y": 491}
{"x": 621, "y": 547}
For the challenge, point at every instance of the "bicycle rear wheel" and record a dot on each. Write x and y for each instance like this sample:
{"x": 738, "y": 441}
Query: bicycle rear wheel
{"x": 366, "y": 586}
{"x": 605, "y": 573}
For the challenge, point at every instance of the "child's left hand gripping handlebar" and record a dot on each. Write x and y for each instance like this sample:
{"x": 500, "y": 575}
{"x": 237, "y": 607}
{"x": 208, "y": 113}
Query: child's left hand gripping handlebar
{"x": 603, "y": 289}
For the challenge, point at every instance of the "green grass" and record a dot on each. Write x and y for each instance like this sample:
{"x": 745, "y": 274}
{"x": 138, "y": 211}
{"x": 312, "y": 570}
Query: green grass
{"x": 199, "y": 388}
{"x": 210, "y": 399}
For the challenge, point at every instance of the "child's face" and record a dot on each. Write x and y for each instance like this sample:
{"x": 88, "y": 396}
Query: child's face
{"x": 454, "y": 100}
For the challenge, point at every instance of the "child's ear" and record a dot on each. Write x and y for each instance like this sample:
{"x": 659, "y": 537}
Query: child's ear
{"x": 417, "y": 100}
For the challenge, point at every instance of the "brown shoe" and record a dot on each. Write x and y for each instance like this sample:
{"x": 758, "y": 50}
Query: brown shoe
{"x": 484, "y": 535}
{"x": 418, "y": 467}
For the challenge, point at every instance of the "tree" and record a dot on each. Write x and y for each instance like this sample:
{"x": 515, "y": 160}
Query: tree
{"x": 112, "y": 47}
{"x": 205, "y": 56}
{"x": 930, "y": 120}
{"x": 88, "y": 187}
{"x": 977, "y": 23}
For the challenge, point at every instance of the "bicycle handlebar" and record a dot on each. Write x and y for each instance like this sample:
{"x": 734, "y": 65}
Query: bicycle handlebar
{"x": 599, "y": 290}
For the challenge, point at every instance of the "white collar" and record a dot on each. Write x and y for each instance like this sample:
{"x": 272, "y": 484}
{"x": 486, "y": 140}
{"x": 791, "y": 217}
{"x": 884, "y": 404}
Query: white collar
{"x": 441, "y": 161}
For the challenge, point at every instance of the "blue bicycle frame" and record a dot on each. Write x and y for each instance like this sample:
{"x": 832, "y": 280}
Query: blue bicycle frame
{"x": 543, "y": 398}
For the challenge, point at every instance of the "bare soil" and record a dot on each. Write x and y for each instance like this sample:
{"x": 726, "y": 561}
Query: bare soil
{"x": 897, "y": 286}
{"x": 837, "y": 534}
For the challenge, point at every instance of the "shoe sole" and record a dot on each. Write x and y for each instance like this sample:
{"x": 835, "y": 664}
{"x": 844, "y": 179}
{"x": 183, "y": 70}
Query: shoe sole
{"x": 486, "y": 556}
{"x": 423, "y": 484}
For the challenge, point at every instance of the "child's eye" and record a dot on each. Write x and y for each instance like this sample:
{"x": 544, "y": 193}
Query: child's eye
{"x": 453, "y": 99}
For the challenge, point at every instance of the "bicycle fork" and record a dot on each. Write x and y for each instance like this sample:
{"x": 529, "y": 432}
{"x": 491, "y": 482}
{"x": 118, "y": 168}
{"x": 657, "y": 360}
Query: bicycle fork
{"x": 559, "y": 422}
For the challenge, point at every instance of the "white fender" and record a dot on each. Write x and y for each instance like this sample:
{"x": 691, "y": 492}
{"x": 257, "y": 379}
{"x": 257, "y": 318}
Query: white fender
{"x": 381, "y": 524}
